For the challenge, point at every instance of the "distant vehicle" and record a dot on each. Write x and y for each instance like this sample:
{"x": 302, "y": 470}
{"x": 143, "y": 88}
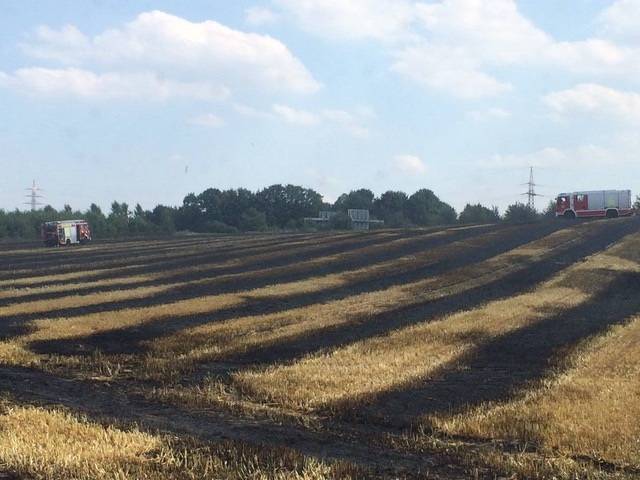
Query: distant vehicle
{"x": 598, "y": 203}
{"x": 66, "y": 232}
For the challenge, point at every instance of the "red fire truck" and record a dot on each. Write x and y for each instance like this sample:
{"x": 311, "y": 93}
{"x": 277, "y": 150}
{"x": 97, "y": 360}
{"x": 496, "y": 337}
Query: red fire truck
{"x": 66, "y": 232}
{"x": 598, "y": 203}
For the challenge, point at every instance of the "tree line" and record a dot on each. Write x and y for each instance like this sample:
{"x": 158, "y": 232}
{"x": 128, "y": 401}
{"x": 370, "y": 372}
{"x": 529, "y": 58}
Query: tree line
{"x": 278, "y": 207}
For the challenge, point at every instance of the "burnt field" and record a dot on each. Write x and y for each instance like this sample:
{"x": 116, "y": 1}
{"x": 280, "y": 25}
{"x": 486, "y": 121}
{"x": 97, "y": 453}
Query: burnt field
{"x": 482, "y": 352}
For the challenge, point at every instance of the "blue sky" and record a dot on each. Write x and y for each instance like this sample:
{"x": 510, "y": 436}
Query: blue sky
{"x": 146, "y": 101}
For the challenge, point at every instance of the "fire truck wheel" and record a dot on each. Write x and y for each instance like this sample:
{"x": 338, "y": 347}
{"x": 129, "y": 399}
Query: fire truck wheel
{"x": 68, "y": 242}
{"x": 612, "y": 214}
{"x": 569, "y": 214}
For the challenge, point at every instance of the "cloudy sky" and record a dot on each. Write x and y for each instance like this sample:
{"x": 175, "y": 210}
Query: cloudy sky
{"x": 146, "y": 101}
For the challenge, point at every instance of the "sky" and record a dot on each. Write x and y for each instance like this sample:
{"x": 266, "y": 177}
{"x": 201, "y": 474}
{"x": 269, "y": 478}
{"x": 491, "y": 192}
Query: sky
{"x": 146, "y": 101}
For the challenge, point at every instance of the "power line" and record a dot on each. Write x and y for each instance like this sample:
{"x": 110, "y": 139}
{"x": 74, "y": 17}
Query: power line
{"x": 34, "y": 196}
{"x": 531, "y": 192}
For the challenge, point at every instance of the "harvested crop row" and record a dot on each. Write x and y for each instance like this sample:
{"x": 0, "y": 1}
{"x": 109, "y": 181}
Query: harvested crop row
{"x": 189, "y": 279}
{"x": 54, "y": 444}
{"x": 294, "y": 331}
{"x": 590, "y": 405}
{"x": 52, "y": 335}
{"x": 155, "y": 263}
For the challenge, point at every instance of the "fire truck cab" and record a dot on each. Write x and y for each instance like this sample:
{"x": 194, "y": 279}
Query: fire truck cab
{"x": 598, "y": 203}
{"x": 66, "y": 232}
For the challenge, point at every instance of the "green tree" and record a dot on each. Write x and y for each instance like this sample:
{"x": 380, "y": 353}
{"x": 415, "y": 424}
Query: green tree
{"x": 140, "y": 223}
{"x": 235, "y": 202}
{"x": 4, "y": 231}
{"x": 164, "y": 218}
{"x": 425, "y": 208}
{"x": 49, "y": 213}
{"x": 119, "y": 219}
{"x": 100, "y": 227}
{"x": 253, "y": 220}
{"x": 138, "y": 211}
{"x": 190, "y": 214}
{"x": 636, "y": 205}
{"x": 361, "y": 199}
{"x": 550, "y": 210}
{"x": 479, "y": 214}
{"x": 520, "y": 213}
{"x": 209, "y": 204}
{"x": 288, "y": 205}
{"x": 391, "y": 207}
{"x": 340, "y": 221}
{"x": 19, "y": 225}
{"x": 214, "y": 226}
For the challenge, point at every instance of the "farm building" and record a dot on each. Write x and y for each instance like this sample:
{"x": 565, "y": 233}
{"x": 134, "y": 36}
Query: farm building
{"x": 359, "y": 219}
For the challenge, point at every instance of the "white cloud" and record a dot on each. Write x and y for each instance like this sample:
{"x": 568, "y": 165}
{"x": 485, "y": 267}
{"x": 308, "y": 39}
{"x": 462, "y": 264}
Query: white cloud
{"x": 596, "y": 100}
{"x": 248, "y": 111}
{"x": 493, "y": 113}
{"x": 74, "y": 82}
{"x": 66, "y": 45}
{"x": 621, "y": 20}
{"x": 461, "y": 40}
{"x": 294, "y": 116}
{"x": 350, "y": 122}
{"x": 555, "y": 158}
{"x": 260, "y": 16}
{"x": 353, "y": 19}
{"x": 347, "y": 121}
{"x": 491, "y": 31}
{"x": 457, "y": 46}
{"x": 166, "y": 44}
{"x": 591, "y": 57}
{"x": 447, "y": 70}
{"x": 445, "y": 46}
{"x": 208, "y": 120}
{"x": 475, "y": 36}
{"x": 409, "y": 164}
{"x": 365, "y": 112}
{"x": 542, "y": 158}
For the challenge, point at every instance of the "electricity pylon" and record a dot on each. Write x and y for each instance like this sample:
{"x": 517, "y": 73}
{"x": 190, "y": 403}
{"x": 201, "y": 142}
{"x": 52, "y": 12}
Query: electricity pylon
{"x": 531, "y": 192}
{"x": 34, "y": 196}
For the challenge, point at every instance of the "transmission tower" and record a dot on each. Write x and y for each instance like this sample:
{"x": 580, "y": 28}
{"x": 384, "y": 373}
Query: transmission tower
{"x": 33, "y": 196}
{"x": 531, "y": 192}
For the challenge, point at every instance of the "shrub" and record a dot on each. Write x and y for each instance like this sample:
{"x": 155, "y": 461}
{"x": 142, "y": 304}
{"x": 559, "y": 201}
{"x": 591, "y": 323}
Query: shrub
{"x": 521, "y": 213}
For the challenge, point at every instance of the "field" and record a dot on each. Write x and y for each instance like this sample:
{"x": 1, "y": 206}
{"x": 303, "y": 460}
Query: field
{"x": 487, "y": 351}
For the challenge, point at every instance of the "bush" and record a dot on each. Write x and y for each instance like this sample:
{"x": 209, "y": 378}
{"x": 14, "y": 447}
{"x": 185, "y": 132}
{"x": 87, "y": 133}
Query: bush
{"x": 425, "y": 208}
{"x": 550, "y": 211}
{"x": 340, "y": 221}
{"x": 217, "y": 227}
{"x": 479, "y": 214}
{"x": 395, "y": 220}
{"x": 253, "y": 220}
{"x": 520, "y": 213}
